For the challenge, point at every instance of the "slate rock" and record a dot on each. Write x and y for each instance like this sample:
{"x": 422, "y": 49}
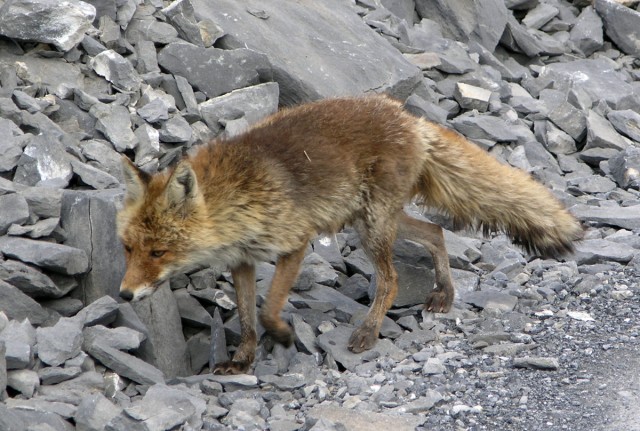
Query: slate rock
{"x": 315, "y": 270}
{"x": 43, "y": 202}
{"x": 537, "y": 363}
{"x": 484, "y": 127}
{"x": 356, "y": 420}
{"x": 14, "y": 211}
{"x": 125, "y": 364}
{"x": 335, "y": 343}
{"x": 307, "y": 62}
{"x": 55, "y": 375}
{"x": 102, "y": 311}
{"x": 563, "y": 114}
{"x": 625, "y": 168}
{"x": 591, "y": 251}
{"x": 490, "y": 299}
{"x": 40, "y": 229}
{"x": 116, "y": 69}
{"x": 43, "y": 162}
{"x": 94, "y": 413}
{"x": 175, "y": 130}
{"x": 151, "y": 29}
{"x": 472, "y": 97}
{"x": 164, "y": 407}
{"x": 624, "y": 217}
{"x": 214, "y": 71}
{"x": 181, "y": 15}
{"x": 155, "y": 111}
{"x": 11, "y": 146}
{"x": 245, "y": 414}
{"x": 191, "y": 311}
{"x": 452, "y": 57}
{"x": 47, "y": 21}
{"x": 3, "y": 373}
{"x": 218, "y": 349}
{"x": 358, "y": 263}
{"x": 601, "y": 134}
{"x": 305, "y": 336}
{"x": 328, "y": 248}
{"x": 251, "y": 103}
{"x": 587, "y": 33}
{"x": 55, "y": 257}
{"x": 89, "y": 218}
{"x": 19, "y": 339}
{"x": 415, "y": 273}
{"x": 622, "y": 25}
{"x": 119, "y": 338}
{"x": 539, "y": 15}
{"x": 60, "y": 342}
{"x": 20, "y": 419}
{"x": 114, "y": 122}
{"x": 626, "y": 122}
{"x": 591, "y": 184}
{"x": 19, "y": 306}
{"x": 24, "y": 381}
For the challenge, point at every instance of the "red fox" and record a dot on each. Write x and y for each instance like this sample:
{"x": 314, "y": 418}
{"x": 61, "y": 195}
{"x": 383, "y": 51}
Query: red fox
{"x": 264, "y": 194}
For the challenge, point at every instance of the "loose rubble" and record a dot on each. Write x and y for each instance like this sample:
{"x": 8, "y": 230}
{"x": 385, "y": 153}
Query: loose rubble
{"x": 549, "y": 86}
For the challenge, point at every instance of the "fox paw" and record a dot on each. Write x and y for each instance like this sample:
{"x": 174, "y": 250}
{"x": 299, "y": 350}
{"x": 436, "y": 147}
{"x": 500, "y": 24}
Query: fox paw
{"x": 363, "y": 338}
{"x": 231, "y": 367}
{"x": 438, "y": 301}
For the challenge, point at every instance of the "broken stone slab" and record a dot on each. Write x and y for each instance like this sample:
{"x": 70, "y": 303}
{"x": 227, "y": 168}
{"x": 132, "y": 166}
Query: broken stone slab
{"x": 116, "y": 69}
{"x": 491, "y": 299}
{"x": 472, "y": 97}
{"x": 175, "y": 130}
{"x": 55, "y": 257}
{"x": 19, "y": 339}
{"x": 587, "y": 32}
{"x": 251, "y": 103}
{"x": 43, "y": 202}
{"x": 40, "y": 229}
{"x": 43, "y": 162}
{"x": 563, "y": 114}
{"x": 591, "y": 251}
{"x": 19, "y": 306}
{"x": 539, "y": 15}
{"x": 114, "y": 122}
{"x": 591, "y": 184}
{"x": 622, "y": 25}
{"x": 88, "y": 218}
{"x": 93, "y": 177}
{"x": 625, "y": 168}
{"x": 181, "y": 15}
{"x": 55, "y": 375}
{"x": 3, "y": 373}
{"x": 21, "y": 419}
{"x": 600, "y": 133}
{"x": 47, "y": 21}
{"x": 315, "y": 270}
{"x": 94, "y": 412}
{"x": 60, "y": 342}
{"x": 307, "y": 61}
{"x": 24, "y": 381}
{"x": 156, "y": 31}
{"x": 451, "y": 56}
{"x": 191, "y": 311}
{"x": 15, "y": 210}
{"x": 537, "y": 363}
{"x": 165, "y": 407}
{"x": 119, "y": 338}
{"x": 215, "y": 71}
{"x": 553, "y": 138}
{"x": 125, "y": 364}
{"x": 335, "y": 343}
{"x": 624, "y": 217}
{"x": 11, "y": 146}
{"x": 415, "y": 273}
{"x": 484, "y": 127}
{"x": 626, "y": 122}
{"x": 355, "y": 420}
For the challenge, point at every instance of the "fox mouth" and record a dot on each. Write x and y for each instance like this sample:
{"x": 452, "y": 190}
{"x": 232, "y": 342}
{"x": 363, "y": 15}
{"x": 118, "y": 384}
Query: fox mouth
{"x": 140, "y": 293}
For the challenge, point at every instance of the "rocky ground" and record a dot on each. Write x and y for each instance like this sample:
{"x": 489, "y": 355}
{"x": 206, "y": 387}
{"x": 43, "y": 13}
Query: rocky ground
{"x": 549, "y": 86}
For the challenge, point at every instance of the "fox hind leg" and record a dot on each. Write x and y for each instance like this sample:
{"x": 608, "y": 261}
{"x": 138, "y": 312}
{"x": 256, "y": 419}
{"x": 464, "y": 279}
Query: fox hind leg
{"x": 377, "y": 238}
{"x": 431, "y": 237}
{"x": 287, "y": 269}
{"x": 244, "y": 282}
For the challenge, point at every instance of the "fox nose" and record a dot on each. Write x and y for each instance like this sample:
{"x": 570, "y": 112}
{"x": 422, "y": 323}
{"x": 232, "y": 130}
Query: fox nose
{"x": 126, "y": 295}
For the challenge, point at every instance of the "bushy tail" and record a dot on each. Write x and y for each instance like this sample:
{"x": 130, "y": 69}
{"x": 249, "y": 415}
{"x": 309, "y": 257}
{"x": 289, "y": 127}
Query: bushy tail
{"x": 475, "y": 189}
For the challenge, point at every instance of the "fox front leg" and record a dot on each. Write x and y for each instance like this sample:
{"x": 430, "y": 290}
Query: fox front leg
{"x": 244, "y": 281}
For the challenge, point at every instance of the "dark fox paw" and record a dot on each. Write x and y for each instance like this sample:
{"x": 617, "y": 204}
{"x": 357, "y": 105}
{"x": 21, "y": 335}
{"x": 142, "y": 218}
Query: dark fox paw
{"x": 363, "y": 338}
{"x": 231, "y": 367}
{"x": 438, "y": 301}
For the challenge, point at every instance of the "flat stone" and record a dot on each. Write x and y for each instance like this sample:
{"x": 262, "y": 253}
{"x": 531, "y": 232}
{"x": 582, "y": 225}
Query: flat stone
{"x": 56, "y": 257}
{"x": 165, "y": 407}
{"x": 116, "y": 69}
{"x": 452, "y": 57}
{"x": 601, "y": 134}
{"x": 484, "y": 127}
{"x": 19, "y": 340}
{"x": 24, "y": 381}
{"x": 60, "y": 342}
{"x": 181, "y": 15}
{"x": 625, "y": 167}
{"x": 43, "y": 162}
{"x": 11, "y": 146}
{"x": 490, "y": 299}
{"x": 328, "y": 248}
{"x": 19, "y": 306}
{"x": 151, "y": 29}
{"x": 472, "y": 97}
{"x": 55, "y": 375}
{"x": 335, "y": 343}
{"x": 40, "y": 229}
{"x": 624, "y": 217}
{"x": 191, "y": 311}
{"x": 305, "y": 336}
{"x": 592, "y": 184}
{"x": 114, "y": 122}
{"x": 622, "y": 25}
{"x": 3, "y": 373}
{"x": 315, "y": 270}
{"x": 94, "y": 412}
{"x": 19, "y": 419}
{"x": 14, "y": 211}
{"x": 175, "y": 130}
{"x": 358, "y": 262}
{"x": 102, "y": 311}
{"x": 539, "y": 15}
{"x": 307, "y": 62}
{"x": 554, "y": 139}
{"x": 354, "y": 420}
{"x": 563, "y": 114}
{"x": 93, "y": 177}
{"x": 537, "y": 363}
{"x": 590, "y": 251}
{"x": 47, "y": 21}
{"x": 587, "y": 32}
{"x": 119, "y": 338}
{"x": 626, "y": 122}
{"x": 43, "y": 202}
{"x": 155, "y": 111}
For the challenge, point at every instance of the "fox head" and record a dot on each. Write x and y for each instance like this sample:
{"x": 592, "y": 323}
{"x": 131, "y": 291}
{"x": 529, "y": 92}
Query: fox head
{"x": 158, "y": 226}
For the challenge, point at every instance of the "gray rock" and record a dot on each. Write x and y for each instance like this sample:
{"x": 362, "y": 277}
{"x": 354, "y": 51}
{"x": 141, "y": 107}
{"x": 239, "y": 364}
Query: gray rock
{"x": 19, "y": 419}
{"x": 415, "y": 339}
{"x": 592, "y": 184}
{"x": 165, "y": 346}
{"x": 218, "y": 350}
{"x": 55, "y": 257}
{"x": 151, "y": 29}
{"x": 315, "y": 270}
{"x": 146, "y": 57}
{"x": 245, "y": 414}
{"x": 55, "y": 375}
{"x": 251, "y": 103}
{"x": 39, "y": 229}
{"x": 3, "y": 374}
{"x": 626, "y": 122}
{"x": 423, "y": 108}
{"x": 452, "y": 57}
{"x": 624, "y": 217}
{"x": 490, "y": 299}
{"x": 14, "y": 211}
{"x": 587, "y": 33}
{"x": 60, "y": 342}
{"x": 19, "y": 306}
{"x": 518, "y": 39}
{"x": 415, "y": 273}
{"x": 181, "y": 15}
{"x": 307, "y": 62}
{"x": 47, "y": 21}
{"x": 19, "y": 339}
{"x": 43, "y": 162}
{"x": 590, "y": 251}
{"x": 191, "y": 312}
{"x": 164, "y": 407}
{"x": 335, "y": 343}
{"x": 539, "y": 15}
{"x": 114, "y": 122}
{"x": 563, "y": 114}
{"x": 214, "y": 71}
{"x": 94, "y": 413}
{"x": 148, "y": 148}
{"x": 357, "y": 262}
{"x": 481, "y": 21}
{"x": 328, "y": 248}
{"x": 119, "y": 338}
{"x": 30, "y": 280}
{"x": 622, "y": 25}
{"x": 595, "y": 156}
{"x": 175, "y": 130}
{"x": 484, "y": 127}
{"x": 116, "y": 69}
{"x": 601, "y": 134}
{"x": 554, "y": 139}
{"x": 537, "y": 363}
{"x": 155, "y": 111}
{"x": 625, "y": 168}
{"x": 43, "y": 202}
{"x": 88, "y": 217}
{"x": 125, "y": 364}
{"x": 102, "y": 311}
{"x": 305, "y": 336}
{"x": 92, "y": 176}
{"x": 11, "y": 146}
{"x": 24, "y": 381}
{"x": 356, "y": 420}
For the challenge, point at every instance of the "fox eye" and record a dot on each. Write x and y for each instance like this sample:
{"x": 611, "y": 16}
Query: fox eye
{"x": 158, "y": 253}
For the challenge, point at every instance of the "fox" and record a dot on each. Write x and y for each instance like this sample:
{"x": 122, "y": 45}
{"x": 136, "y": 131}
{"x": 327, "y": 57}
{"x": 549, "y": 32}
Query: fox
{"x": 312, "y": 169}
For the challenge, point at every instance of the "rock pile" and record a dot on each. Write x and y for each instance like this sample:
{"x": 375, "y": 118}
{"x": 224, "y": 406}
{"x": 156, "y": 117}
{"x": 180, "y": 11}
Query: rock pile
{"x": 548, "y": 86}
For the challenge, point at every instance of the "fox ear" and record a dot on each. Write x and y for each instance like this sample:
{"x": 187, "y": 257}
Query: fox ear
{"x": 182, "y": 187}
{"x": 135, "y": 181}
